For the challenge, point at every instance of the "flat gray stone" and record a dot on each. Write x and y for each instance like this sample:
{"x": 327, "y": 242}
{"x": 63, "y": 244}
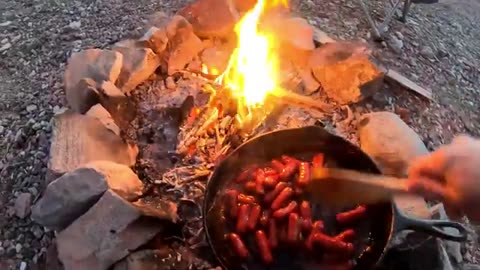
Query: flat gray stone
{"x": 69, "y": 197}
{"x": 22, "y": 205}
{"x": 104, "y": 234}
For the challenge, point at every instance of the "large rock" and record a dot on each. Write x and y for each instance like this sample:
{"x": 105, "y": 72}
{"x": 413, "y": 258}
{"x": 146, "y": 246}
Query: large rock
{"x": 96, "y": 64}
{"x": 345, "y": 72}
{"x": 244, "y": 5}
{"x": 211, "y": 18}
{"x": 216, "y": 59}
{"x": 79, "y": 139}
{"x": 69, "y": 197}
{"x": 100, "y": 113}
{"x": 156, "y": 39}
{"x": 162, "y": 258}
{"x": 392, "y": 145}
{"x": 121, "y": 108}
{"x": 138, "y": 65}
{"x": 105, "y": 234}
{"x": 183, "y": 45}
{"x": 83, "y": 95}
{"x": 293, "y": 37}
{"x": 349, "y": 81}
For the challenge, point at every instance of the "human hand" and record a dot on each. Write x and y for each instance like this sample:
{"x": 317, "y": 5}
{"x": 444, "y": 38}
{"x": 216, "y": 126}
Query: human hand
{"x": 451, "y": 174}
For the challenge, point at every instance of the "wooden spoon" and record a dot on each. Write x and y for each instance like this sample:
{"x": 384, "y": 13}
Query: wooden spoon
{"x": 341, "y": 187}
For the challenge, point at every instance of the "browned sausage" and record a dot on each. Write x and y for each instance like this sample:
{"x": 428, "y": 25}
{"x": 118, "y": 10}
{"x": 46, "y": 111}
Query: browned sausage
{"x": 259, "y": 180}
{"x": 277, "y": 165}
{"x": 330, "y": 244}
{"x": 304, "y": 174}
{"x": 271, "y": 181}
{"x": 245, "y": 174}
{"x": 293, "y": 228}
{"x": 270, "y": 171}
{"x": 287, "y": 159}
{"x": 305, "y": 210}
{"x": 283, "y": 212}
{"x": 288, "y": 170}
{"x": 307, "y": 225}
{"x": 282, "y": 198}
{"x": 253, "y": 217}
{"x": 264, "y": 218}
{"x": 317, "y": 227}
{"x": 242, "y": 218}
{"x": 272, "y": 233}
{"x": 346, "y": 236}
{"x": 238, "y": 245}
{"x": 231, "y": 202}
{"x": 250, "y": 187}
{"x": 318, "y": 161}
{"x": 351, "y": 216}
{"x": 269, "y": 197}
{"x": 242, "y": 198}
{"x": 264, "y": 247}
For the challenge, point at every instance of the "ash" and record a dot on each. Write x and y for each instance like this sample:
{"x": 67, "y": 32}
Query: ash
{"x": 181, "y": 137}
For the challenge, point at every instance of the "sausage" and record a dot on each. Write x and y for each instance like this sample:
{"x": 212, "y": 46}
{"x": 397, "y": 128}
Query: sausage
{"x": 271, "y": 181}
{"x": 242, "y": 198}
{"x": 283, "y": 234}
{"x": 318, "y": 160}
{"x": 272, "y": 233}
{"x": 351, "y": 216}
{"x": 306, "y": 225}
{"x": 242, "y": 218}
{"x": 253, "y": 217}
{"x": 346, "y": 236}
{"x": 269, "y": 197}
{"x": 259, "y": 180}
{"x": 305, "y": 210}
{"x": 250, "y": 187}
{"x": 245, "y": 174}
{"x": 287, "y": 159}
{"x": 298, "y": 191}
{"x": 231, "y": 202}
{"x": 282, "y": 198}
{"x": 238, "y": 246}
{"x": 304, "y": 174}
{"x": 317, "y": 227}
{"x": 330, "y": 244}
{"x": 264, "y": 247}
{"x": 277, "y": 165}
{"x": 288, "y": 170}
{"x": 283, "y": 212}
{"x": 264, "y": 218}
{"x": 269, "y": 171}
{"x": 293, "y": 228}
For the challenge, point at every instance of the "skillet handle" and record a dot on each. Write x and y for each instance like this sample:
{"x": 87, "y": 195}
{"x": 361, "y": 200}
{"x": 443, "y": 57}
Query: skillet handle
{"x": 435, "y": 228}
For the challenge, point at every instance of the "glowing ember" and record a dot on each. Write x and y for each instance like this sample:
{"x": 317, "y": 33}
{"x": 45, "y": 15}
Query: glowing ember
{"x": 253, "y": 67}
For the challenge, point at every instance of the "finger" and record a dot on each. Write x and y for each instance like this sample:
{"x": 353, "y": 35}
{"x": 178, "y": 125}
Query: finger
{"x": 432, "y": 190}
{"x": 431, "y": 166}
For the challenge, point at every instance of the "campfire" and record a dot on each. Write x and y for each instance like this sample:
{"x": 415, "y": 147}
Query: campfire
{"x": 172, "y": 105}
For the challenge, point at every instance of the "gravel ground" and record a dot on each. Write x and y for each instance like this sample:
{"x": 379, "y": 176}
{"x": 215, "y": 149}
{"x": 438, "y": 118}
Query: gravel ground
{"x": 437, "y": 47}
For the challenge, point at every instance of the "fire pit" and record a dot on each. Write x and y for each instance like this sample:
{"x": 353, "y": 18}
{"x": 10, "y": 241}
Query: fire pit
{"x": 171, "y": 105}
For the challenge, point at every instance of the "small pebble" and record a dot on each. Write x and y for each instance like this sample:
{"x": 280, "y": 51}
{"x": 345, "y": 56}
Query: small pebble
{"x": 31, "y": 108}
{"x": 18, "y": 247}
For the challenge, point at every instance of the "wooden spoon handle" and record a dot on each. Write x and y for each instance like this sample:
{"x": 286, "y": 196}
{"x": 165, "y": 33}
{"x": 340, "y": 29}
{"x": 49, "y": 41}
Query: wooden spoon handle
{"x": 389, "y": 184}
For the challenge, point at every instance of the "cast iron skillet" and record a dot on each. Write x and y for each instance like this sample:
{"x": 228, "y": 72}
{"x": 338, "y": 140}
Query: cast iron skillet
{"x": 384, "y": 219}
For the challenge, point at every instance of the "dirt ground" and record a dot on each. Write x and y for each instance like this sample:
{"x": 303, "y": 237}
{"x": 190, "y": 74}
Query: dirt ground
{"x": 438, "y": 48}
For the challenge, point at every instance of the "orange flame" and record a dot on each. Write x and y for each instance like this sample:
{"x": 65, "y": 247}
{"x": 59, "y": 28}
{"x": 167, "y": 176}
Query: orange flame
{"x": 253, "y": 66}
